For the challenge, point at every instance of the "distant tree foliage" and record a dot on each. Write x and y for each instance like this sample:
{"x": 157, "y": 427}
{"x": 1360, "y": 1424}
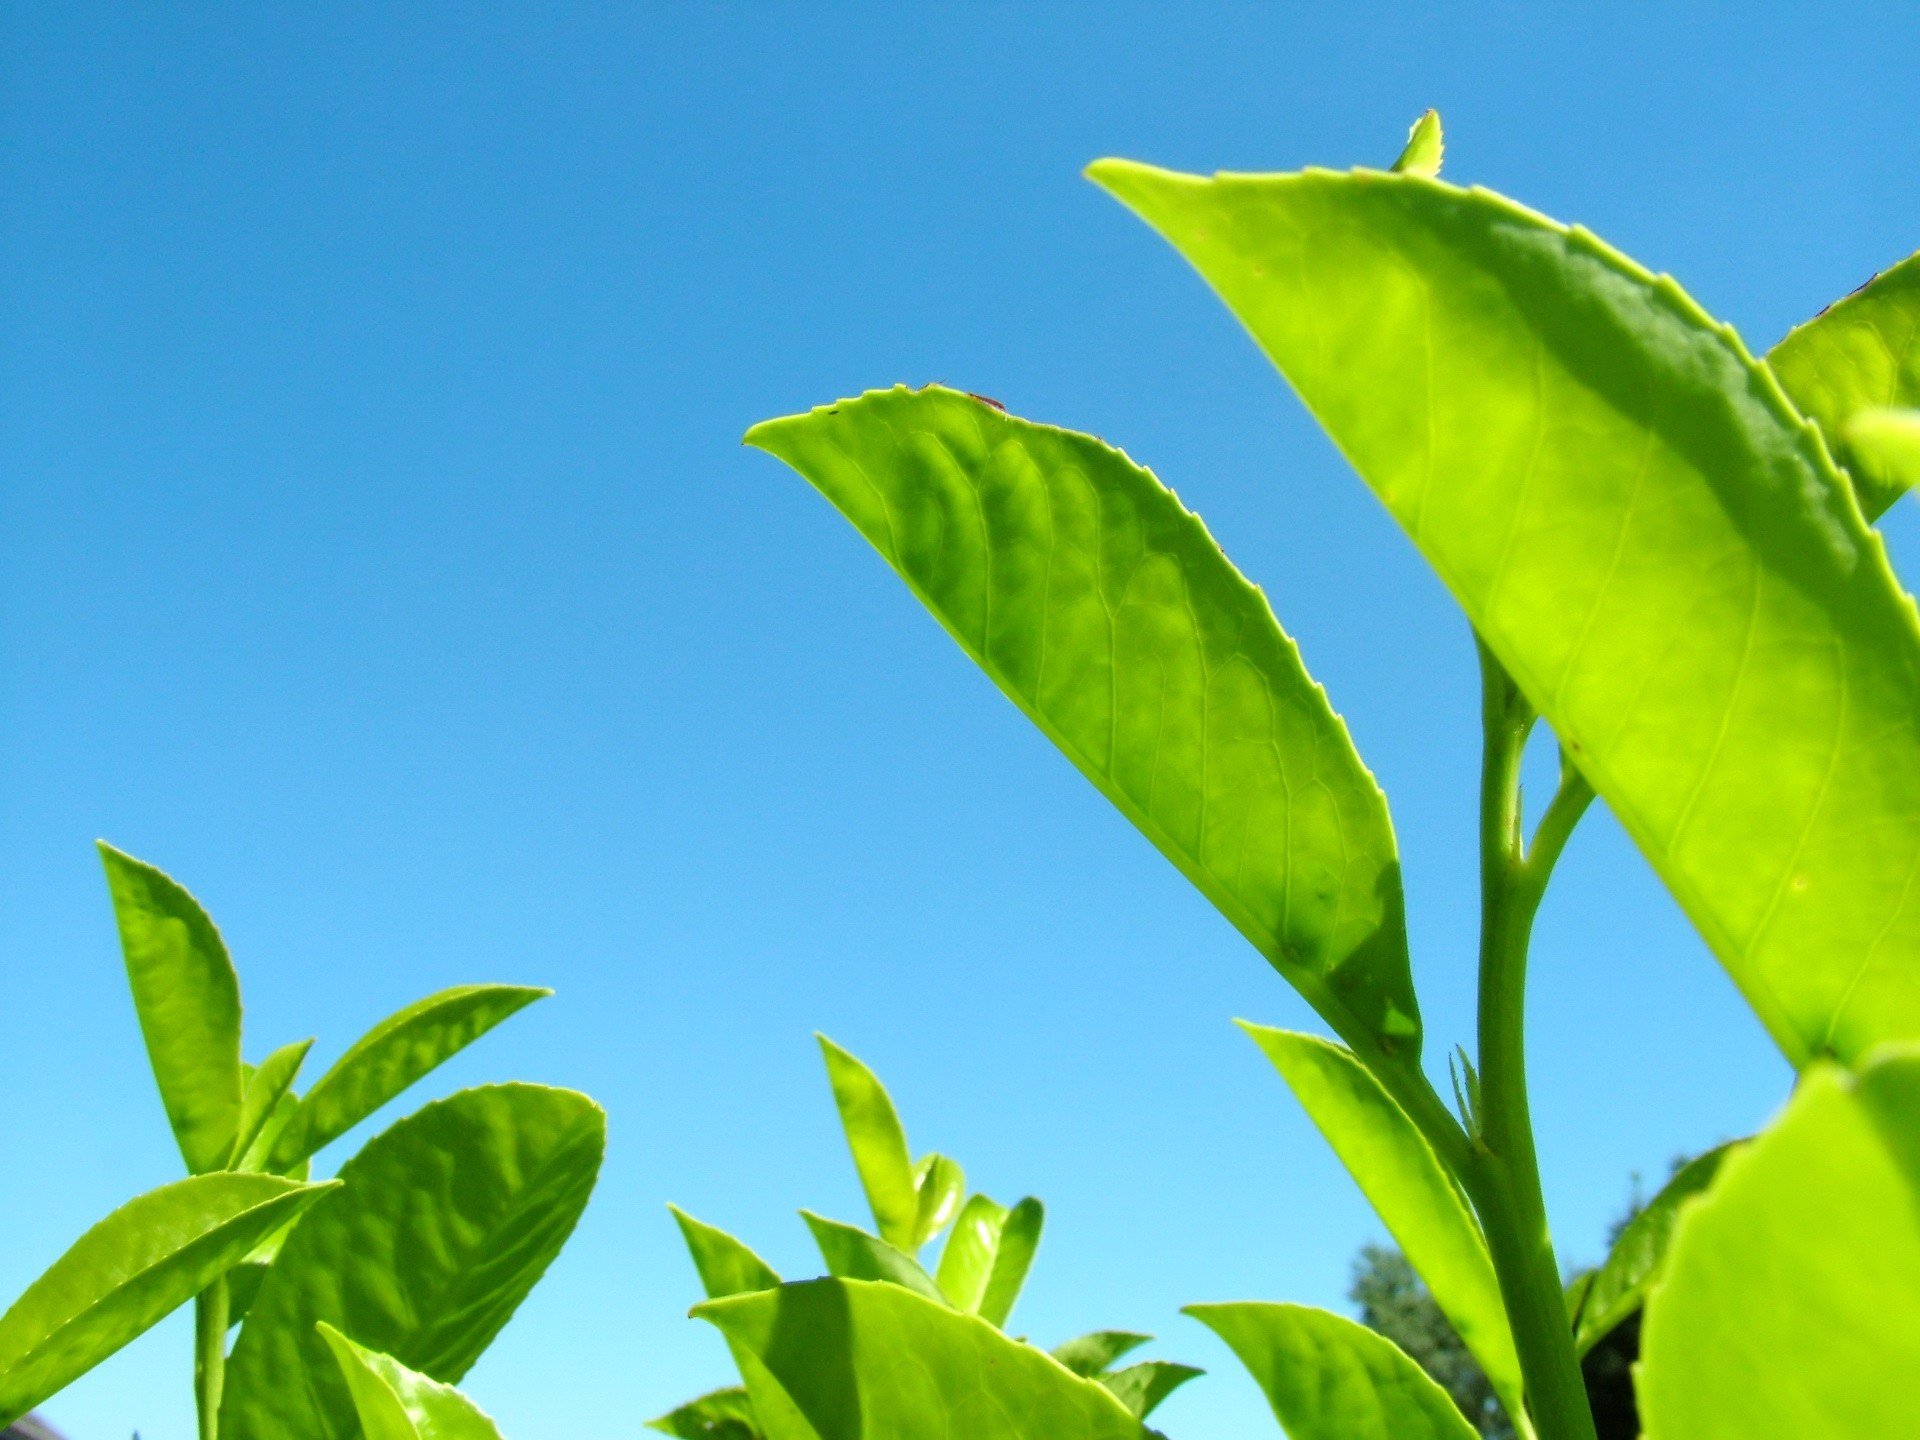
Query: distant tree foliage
{"x": 1394, "y": 1301}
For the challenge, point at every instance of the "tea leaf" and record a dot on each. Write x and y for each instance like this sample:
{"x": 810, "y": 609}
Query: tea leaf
{"x": 721, "y": 1415}
{"x": 852, "y": 1254}
{"x": 726, "y": 1266}
{"x": 878, "y": 1143}
{"x": 448, "y": 1219}
{"x": 1426, "y": 146}
{"x": 966, "y": 1260}
{"x": 261, "y": 1093}
{"x": 131, "y": 1270}
{"x": 1650, "y": 538}
{"x": 1095, "y": 1351}
{"x": 395, "y": 1403}
{"x": 1142, "y": 1387}
{"x": 1012, "y": 1259}
{"x": 188, "y": 999}
{"x": 938, "y": 1183}
{"x": 1883, "y": 448}
{"x": 1328, "y": 1378}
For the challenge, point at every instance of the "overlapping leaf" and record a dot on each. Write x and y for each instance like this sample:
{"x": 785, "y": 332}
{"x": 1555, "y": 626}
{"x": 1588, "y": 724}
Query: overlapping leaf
{"x": 1141, "y": 1388}
{"x": 878, "y": 1142}
{"x": 261, "y": 1093}
{"x": 726, "y": 1414}
{"x": 853, "y": 1254}
{"x": 396, "y": 1403}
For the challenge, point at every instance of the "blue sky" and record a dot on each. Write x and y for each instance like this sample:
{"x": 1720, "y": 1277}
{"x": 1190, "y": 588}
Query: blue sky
{"x": 378, "y": 556}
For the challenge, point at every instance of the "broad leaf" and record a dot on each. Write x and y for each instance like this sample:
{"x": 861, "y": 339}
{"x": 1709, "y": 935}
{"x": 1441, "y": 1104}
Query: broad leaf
{"x": 395, "y": 1403}
{"x": 1104, "y": 610}
{"x": 1012, "y": 1259}
{"x": 1142, "y": 1387}
{"x": 1328, "y": 1378}
{"x": 131, "y": 1270}
{"x": 938, "y": 1184}
{"x": 1614, "y": 1291}
{"x": 865, "y": 1360}
{"x": 188, "y": 999}
{"x": 721, "y": 1415}
{"x": 448, "y": 1219}
{"x": 1651, "y": 539}
{"x": 1860, "y": 353}
{"x": 1883, "y": 448}
{"x": 878, "y": 1143}
{"x": 1408, "y": 1188}
{"x": 390, "y": 1057}
{"x": 261, "y": 1093}
{"x": 726, "y": 1266}
{"x": 1094, "y": 1352}
{"x": 853, "y": 1254}
{"x": 1790, "y": 1304}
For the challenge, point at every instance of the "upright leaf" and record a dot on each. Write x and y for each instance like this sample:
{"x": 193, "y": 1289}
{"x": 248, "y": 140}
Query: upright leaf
{"x": 938, "y": 1184}
{"x": 865, "y": 1360}
{"x": 1426, "y": 146}
{"x": 1651, "y": 539}
{"x": 1103, "y": 609}
{"x": 1328, "y": 1378}
{"x": 1409, "y": 1189}
{"x": 726, "y": 1266}
{"x": 131, "y": 1270}
{"x": 719, "y": 1415}
{"x": 448, "y": 1219}
{"x": 395, "y": 1403}
{"x": 1883, "y": 449}
{"x": 1096, "y": 1351}
{"x": 966, "y": 1260}
{"x": 390, "y": 1057}
{"x": 1860, "y": 353}
{"x": 878, "y": 1143}
{"x": 188, "y": 1000}
{"x": 262, "y": 1091}
{"x": 1142, "y": 1387}
{"x": 1012, "y": 1259}
{"x": 1790, "y": 1303}
{"x": 852, "y": 1254}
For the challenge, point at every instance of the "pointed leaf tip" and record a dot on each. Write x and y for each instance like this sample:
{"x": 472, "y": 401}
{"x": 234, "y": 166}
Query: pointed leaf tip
{"x": 1425, "y": 148}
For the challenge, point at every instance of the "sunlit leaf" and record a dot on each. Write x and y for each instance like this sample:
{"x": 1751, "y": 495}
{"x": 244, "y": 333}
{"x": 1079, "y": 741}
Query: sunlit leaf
{"x": 966, "y": 1260}
{"x": 1425, "y": 147}
{"x": 726, "y": 1266}
{"x": 878, "y": 1143}
{"x": 1883, "y": 449}
{"x": 938, "y": 1183}
{"x": 396, "y": 1403}
{"x": 721, "y": 1415}
{"x": 1096, "y": 1351}
{"x": 261, "y": 1093}
{"x": 853, "y": 1254}
{"x": 1012, "y": 1259}
{"x": 1142, "y": 1387}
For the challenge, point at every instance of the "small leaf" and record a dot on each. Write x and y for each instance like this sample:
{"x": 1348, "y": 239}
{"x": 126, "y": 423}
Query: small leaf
{"x": 726, "y": 1266}
{"x": 188, "y": 999}
{"x": 448, "y": 1219}
{"x": 131, "y": 1270}
{"x": 243, "y": 1288}
{"x": 1425, "y": 147}
{"x": 966, "y": 1260}
{"x": 853, "y": 1254}
{"x": 390, "y": 1057}
{"x": 938, "y": 1186}
{"x": 878, "y": 1143}
{"x": 1328, "y": 1378}
{"x": 1617, "y": 1288}
{"x": 1096, "y": 1351}
{"x": 1012, "y": 1259}
{"x": 864, "y": 1361}
{"x": 1790, "y": 1300}
{"x": 1142, "y": 1387}
{"x": 395, "y": 1403}
{"x": 1883, "y": 449}
{"x": 262, "y": 1092}
{"x": 721, "y": 1415}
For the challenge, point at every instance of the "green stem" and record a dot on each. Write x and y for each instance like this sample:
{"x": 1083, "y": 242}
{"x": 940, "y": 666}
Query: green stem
{"x": 1503, "y": 1177}
{"x": 210, "y": 1355}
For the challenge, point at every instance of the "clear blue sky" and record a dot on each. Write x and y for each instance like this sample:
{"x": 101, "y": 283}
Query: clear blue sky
{"x": 378, "y": 556}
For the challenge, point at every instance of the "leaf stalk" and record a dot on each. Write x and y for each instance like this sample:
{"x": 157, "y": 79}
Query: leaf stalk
{"x": 210, "y": 1315}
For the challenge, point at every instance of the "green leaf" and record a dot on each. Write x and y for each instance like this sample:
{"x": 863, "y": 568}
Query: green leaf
{"x": 726, "y": 1266}
{"x": 1142, "y": 1387}
{"x": 853, "y": 1254}
{"x": 1790, "y": 1303}
{"x": 1328, "y": 1378}
{"x": 390, "y": 1057}
{"x": 864, "y": 1360}
{"x": 395, "y": 1403}
{"x": 721, "y": 1415}
{"x": 966, "y": 1260}
{"x": 261, "y": 1093}
{"x": 188, "y": 1000}
{"x": 243, "y": 1288}
{"x": 1012, "y": 1259}
{"x": 1858, "y": 354}
{"x": 1425, "y": 147}
{"x": 1650, "y": 538}
{"x": 131, "y": 1270}
{"x": 938, "y": 1185}
{"x": 1104, "y": 610}
{"x": 878, "y": 1143}
{"x": 448, "y": 1220}
{"x": 1617, "y": 1288}
{"x": 1096, "y": 1351}
{"x": 1883, "y": 449}
{"x": 1408, "y": 1188}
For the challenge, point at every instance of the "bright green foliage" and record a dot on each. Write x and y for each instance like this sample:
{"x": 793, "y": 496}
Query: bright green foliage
{"x": 448, "y": 1219}
{"x": 1330, "y": 1379}
{"x": 396, "y": 1403}
{"x": 1408, "y": 1187}
{"x": 1643, "y": 530}
{"x": 188, "y": 999}
{"x": 1860, "y": 353}
{"x": 1012, "y": 1259}
{"x": 939, "y": 1185}
{"x": 985, "y": 1261}
{"x": 1883, "y": 449}
{"x": 389, "y": 1058}
{"x": 1142, "y": 1387}
{"x": 852, "y": 1254}
{"x": 1425, "y": 147}
{"x": 261, "y": 1093}
{"x": 1614, "y": 1291}
{"x": 721, "y": 1415}
{"x": 1392, "y": 1301}
{"x": 1106, "y": 612}
{"x": 131, "y": 1270}
{"x": 1095, "y": 1352}
{"x": 864, "y": 1360}
{"x": 879, "y": 1145}
{"x": 726, "y": 1266}
{"x": 1791, "y": 1300}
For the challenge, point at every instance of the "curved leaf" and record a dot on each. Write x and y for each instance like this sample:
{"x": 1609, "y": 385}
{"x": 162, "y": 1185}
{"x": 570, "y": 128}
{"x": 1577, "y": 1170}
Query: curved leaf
{"x": 1142, "y": 1387}
{"x": 389, "y": 1058}
{"x": 1012, "y": 1259}
{"x": 188, "y": 999}
{"x": 395, "y": 1403}
{"x": 131, "y": 1270}
{"x": 1328, "y": 1378}
{"x": 938, "y": 1185}
{"x": 1426, "y": 147}
{"x": 1104, "y": 610}
{"x": 1094, "y": 1352}
{"x": 261, "y": 1092}
{"x": 864, "y": 1360}
{"x": 878, "y": 1142}
{"x": 720, "y": 1415}
{"x": 1861, "y": 353}
{"x": 1883, "y": 448}
{"x": 726, "y": 1266}
{"x": 448, "y": 1220}
{"x": 853, "y": 1254}
{"x": 966, "y": 1260}
{"x": 1790, "y": 1303}
{"x": 1408, "y": 1188}
{"x": 1651, "y": 539}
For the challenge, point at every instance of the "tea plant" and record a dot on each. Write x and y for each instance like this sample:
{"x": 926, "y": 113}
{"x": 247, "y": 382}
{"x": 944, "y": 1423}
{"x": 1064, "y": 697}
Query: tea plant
{"x": 422, "y": 1247}
{"x": 982, "y": 1268}
{"x": 1662, "y": 545}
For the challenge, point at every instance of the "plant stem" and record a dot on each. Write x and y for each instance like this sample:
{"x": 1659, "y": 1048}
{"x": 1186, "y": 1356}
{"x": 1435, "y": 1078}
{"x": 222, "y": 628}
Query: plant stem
{"x": 1504, "y": 1175}
{"x": 210, "y": 1355}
